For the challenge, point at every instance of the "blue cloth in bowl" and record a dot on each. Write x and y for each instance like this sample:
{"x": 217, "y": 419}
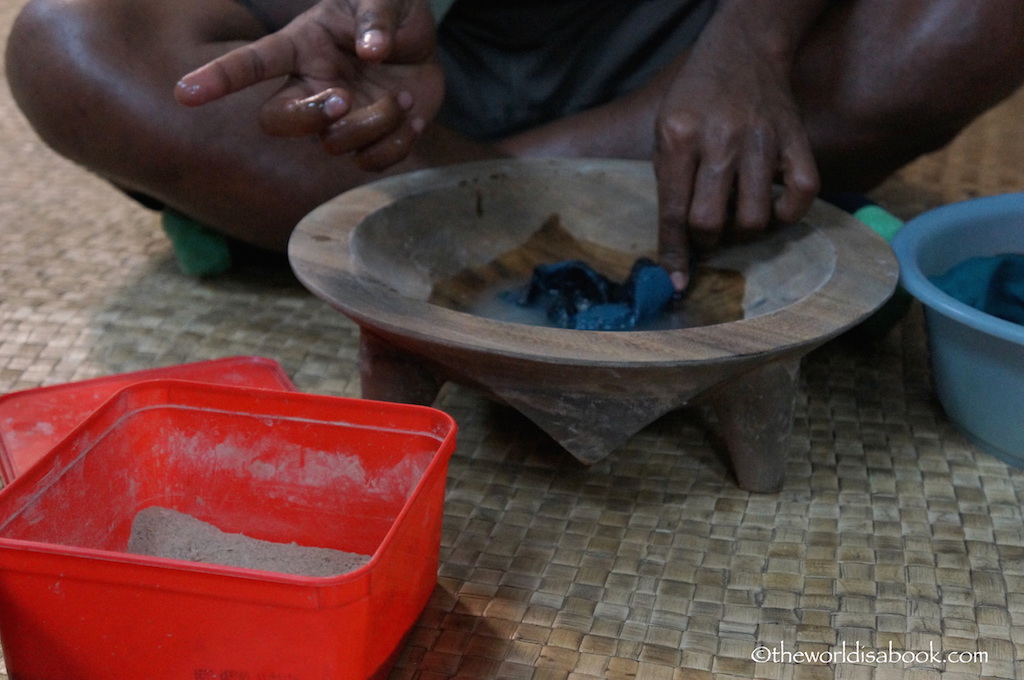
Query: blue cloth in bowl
{"x": 994, "y": 285}
{"x": 578, "y": 297}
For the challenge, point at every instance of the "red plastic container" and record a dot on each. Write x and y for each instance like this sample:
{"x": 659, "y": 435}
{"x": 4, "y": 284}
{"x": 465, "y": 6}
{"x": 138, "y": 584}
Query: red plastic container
{"x": 346, "y": 474}
{"x": 33, "y": 421}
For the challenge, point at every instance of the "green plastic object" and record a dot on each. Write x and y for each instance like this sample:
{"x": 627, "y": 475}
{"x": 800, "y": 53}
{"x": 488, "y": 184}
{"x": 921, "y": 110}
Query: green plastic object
{"x": 199, "y": 250}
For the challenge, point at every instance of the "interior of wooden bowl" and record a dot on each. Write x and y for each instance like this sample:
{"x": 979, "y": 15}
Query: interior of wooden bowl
{"x": 400, "y": 256}
{"x": 472, "y": 245}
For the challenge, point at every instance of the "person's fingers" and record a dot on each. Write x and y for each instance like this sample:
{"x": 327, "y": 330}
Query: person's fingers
{"x": 391, "y": 149}
{"x": 709, "y": 206}
{"x": 675, "y": 167}
{"x": 364, "y": 127}
{"x": 674, "y": 253}
{"x": 376, "y": 24}
{"x": 674, "y": 177}
{"x": 269, "y": 57}
{"x": 286, "y": 116}
{"x": 801, "y": 183}
{"x": 753, "y": 209}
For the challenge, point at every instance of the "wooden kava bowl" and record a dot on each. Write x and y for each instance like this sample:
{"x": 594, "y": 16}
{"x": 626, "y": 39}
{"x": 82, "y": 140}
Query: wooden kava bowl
{"x": 420, "y": 260}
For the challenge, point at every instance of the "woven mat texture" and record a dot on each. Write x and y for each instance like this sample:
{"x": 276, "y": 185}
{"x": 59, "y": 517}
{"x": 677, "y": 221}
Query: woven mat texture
{"x": 891, "y": 528}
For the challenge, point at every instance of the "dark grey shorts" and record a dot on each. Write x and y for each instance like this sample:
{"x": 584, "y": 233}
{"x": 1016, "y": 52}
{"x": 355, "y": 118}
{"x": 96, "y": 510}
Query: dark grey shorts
{"x": 513, "y": 64}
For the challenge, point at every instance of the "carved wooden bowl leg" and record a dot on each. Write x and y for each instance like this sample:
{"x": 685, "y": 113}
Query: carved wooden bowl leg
{"x": 388, "y": 373}
{"x": 755, "y": 418}
{"x": 754, "y": 411}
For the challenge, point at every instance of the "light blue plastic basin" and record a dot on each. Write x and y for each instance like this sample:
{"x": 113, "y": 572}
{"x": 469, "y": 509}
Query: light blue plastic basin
{"x": 977, "y": 359}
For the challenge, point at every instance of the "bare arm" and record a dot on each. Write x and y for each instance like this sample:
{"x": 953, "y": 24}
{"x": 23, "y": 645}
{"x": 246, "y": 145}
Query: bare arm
{"x": 729, "y": 126}
{"x": 720, "y": 123}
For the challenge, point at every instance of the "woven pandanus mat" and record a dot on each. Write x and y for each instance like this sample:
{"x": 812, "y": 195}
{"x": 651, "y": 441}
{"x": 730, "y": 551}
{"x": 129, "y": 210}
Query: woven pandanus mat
{"x": 892, "y": 536}
{"x": 891, "y": 533}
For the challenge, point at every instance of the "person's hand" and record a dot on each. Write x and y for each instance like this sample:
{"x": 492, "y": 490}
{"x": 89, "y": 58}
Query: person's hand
{"x": 727, "y": 129}
{"x": 361, "y": 74}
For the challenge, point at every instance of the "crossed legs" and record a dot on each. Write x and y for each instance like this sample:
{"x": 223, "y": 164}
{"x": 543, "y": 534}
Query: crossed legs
{"x": 95, "y": 78}
{"x": 879, "y": 83}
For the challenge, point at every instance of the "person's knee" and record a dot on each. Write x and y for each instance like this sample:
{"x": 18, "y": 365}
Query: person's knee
{"x": 95, "y": 77}
{"x": 892, "y": 81}
{"x": 961, "y": 58}
{"x": 47, "y": 65}
{"x": 34, "y": 54}
{"x": 970, "y": 61}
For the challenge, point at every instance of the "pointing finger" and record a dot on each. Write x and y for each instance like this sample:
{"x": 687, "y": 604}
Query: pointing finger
{"x": 265, "y": 59}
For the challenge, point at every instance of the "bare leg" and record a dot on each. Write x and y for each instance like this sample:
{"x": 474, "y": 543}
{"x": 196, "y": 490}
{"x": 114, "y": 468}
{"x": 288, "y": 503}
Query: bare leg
{"x": 880, "y": 83}
{"x": 883, "y": 82}
{"x": 95, "y": 78}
